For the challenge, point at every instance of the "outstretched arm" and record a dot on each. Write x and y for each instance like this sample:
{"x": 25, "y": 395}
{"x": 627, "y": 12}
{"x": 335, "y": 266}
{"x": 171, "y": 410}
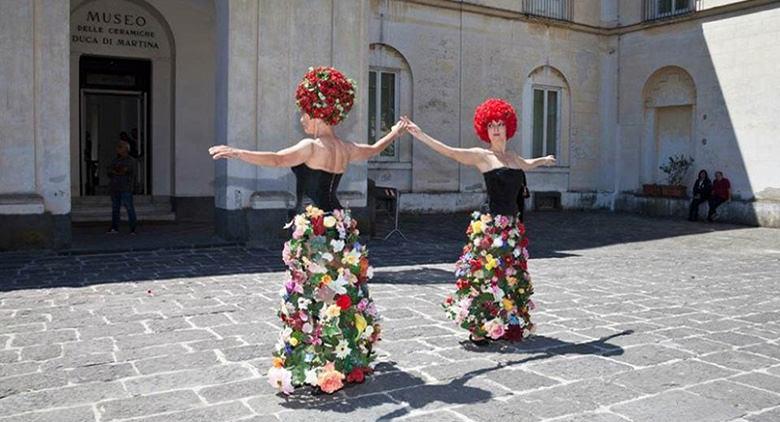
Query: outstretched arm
{"x": 362, "y": 152}
{"x": 288, "y": 157}
{"x": 530, "y": 164}
{"x": 468, "y": 156}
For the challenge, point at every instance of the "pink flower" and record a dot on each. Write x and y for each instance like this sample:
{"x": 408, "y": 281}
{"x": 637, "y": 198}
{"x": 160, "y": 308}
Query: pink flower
{"x": 329, "y": 379}
{"x": 362, "y": 305}
{"x": 531, "y": 304}
{"x": 281, "y": 379}
{"x": 495, "y": 328}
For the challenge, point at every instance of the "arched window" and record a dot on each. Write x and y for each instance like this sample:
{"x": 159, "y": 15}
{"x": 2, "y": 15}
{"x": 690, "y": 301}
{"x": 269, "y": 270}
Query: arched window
{"x": 545, "y": 115}
{"x": 389, "y": 98}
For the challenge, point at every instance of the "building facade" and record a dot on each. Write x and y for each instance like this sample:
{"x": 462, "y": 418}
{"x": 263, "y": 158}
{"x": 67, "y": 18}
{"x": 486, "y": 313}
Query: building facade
{"x": 611, "y": 87}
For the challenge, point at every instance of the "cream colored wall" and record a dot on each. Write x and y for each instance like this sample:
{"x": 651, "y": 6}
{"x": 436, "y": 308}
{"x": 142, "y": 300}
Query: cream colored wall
{"x": 459, "y": 61}
{"x": 34, "y": 117}
{"x": 730, "y": 59}
{"x": 269, "y": 46}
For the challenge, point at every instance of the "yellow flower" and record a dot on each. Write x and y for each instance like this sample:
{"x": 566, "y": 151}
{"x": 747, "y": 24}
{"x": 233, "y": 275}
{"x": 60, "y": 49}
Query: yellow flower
{"x": 508, "y": 304}
{"x": 490, "y": 262}
{"x": 326, "y": 279}
{"x": 520, "y": 291}
{"x": 333, "y": 311}
{"x": 360, "y": 323}
{"x": 511, "y": 281}
{"x": 278, "y": 362}
{"x": 313, "y": 211}
{"x": 330, "y": 221}
{"x": 293, "y": 341}
{"x": 476, "y": 227}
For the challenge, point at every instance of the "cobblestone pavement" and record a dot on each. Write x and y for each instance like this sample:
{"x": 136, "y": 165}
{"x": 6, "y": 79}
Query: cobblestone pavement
{"x": 639, "y": 320}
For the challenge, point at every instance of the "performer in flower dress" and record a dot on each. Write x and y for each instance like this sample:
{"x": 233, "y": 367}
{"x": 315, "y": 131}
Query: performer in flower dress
{"x": 493, "y": 296}
{"x": 330, "y": 322}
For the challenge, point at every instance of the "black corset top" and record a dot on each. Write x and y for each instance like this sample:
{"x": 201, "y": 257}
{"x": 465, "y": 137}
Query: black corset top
{"x": 318, "y": 185}
{"x": 504, "y": 186}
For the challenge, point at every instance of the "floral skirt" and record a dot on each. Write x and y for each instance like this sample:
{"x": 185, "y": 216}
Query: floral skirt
{"x": 330, "y": 322}
{"x": 493, "y": 296}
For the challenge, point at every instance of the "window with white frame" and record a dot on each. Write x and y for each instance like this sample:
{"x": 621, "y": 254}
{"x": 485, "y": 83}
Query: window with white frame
{"x": 383, "y": 109}
{"x": 658, "y": 9}
{"x": 546, "y": 122}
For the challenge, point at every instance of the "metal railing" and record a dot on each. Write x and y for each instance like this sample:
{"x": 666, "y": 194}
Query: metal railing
{"x": 552, "y": 9}
{"x": 662, "y": 9}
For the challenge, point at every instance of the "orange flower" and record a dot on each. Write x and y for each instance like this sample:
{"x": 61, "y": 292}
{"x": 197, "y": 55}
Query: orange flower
{"x": 278, "y": 362}
{"x": 329, "y": 379}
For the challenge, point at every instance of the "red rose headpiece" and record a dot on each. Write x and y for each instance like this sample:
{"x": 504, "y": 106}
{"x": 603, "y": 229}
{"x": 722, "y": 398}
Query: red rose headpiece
{"x": 494, "y": 109}
{"x": 325, "y": 93}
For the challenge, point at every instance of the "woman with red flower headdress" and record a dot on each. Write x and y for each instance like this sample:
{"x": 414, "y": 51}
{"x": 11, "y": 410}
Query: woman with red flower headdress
{"x": 330, "y": 322}
{"x": 493, "y": 290}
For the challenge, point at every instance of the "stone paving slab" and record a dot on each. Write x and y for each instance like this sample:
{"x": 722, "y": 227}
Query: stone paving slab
{"x": 639, "y": 320}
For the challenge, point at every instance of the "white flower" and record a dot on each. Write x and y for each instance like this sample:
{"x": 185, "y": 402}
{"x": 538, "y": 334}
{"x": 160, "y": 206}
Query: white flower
{"x": 498, "y": 242}
{"x": 516, "y": 252}
{"x": 338, "y": 245}
{"x": 281, "y": 379}
{"x": 307, "y": 328}
{"x": 368, "y": 331}
{"x": 511, "y": 242}
{"x": 303, "y": 303}
{"x": 315, "y": 268}
{"x": 286, "y": 333}
{"x": 327, "y": 257}
{"x": 339, "y": 285}
{"x": 311, "y": 377}
{"x": 370, "y": 272}
{"x": 342, "y": 349}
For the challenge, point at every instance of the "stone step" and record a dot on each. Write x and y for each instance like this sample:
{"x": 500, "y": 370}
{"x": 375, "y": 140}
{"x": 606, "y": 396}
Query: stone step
{"x": 144, "y": 209}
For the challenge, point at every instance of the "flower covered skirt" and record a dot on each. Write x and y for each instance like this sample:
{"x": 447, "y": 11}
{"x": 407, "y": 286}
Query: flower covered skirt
{"x": 493, "y": 296}
{"x": 330, "y": 322}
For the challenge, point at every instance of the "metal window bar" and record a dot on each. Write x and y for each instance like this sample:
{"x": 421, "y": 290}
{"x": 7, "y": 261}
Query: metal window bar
{"x": 552, "y": 9}
{"x": 662, "y": 9}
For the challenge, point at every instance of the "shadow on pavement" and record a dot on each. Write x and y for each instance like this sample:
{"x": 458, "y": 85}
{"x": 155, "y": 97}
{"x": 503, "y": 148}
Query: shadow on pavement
{"x": 412, "y": 390}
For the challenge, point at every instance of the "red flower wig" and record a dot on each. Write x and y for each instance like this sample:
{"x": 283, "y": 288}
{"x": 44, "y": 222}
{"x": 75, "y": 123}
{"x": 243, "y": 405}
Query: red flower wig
{"x": 491, "y": 110}
{"x": 325, "y": 93}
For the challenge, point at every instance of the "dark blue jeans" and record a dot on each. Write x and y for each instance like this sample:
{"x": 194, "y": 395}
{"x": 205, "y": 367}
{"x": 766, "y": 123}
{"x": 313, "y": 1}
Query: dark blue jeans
{"x": 118, "y": 199}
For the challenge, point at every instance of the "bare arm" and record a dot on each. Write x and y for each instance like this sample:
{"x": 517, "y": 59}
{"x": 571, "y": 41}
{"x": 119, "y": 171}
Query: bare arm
{"x": 530, "y": 164}
{"x": 362, "y": 152}
{"x": 468, "y": 156}
{"x": 288, "y": 157}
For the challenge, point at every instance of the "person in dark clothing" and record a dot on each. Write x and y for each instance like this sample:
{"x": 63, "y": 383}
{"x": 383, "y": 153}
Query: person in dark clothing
{"x": 721, "y": 192}
{"x": 132, "y": 144}
{"x": 121, "y": 173}
{"x": 701, "y": 194}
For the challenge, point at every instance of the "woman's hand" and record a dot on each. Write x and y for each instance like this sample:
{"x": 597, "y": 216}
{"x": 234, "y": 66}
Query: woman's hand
{"x": 398, "y": 128}
{"x": 548, "y": 160}
{"x": 224, "y": 151}
{"x": 411, "y": 127}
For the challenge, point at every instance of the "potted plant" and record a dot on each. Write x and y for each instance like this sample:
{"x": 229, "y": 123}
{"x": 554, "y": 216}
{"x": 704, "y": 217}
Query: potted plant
{"x": 651, "y": 189}
{"x": 675, "y": 170}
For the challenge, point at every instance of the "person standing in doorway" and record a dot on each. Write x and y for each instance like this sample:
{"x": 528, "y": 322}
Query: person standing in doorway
{"x": 121, "y": 173}
{"x": 701, "y": 194}
{"x": 721, "y": 192}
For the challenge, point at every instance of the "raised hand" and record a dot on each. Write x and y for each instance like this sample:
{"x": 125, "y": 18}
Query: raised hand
{"x": 224, "y": 151}
{"x": 398, "y": 128}
{"x": 411, "y": 127}
{"x": 549, "y": 160}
